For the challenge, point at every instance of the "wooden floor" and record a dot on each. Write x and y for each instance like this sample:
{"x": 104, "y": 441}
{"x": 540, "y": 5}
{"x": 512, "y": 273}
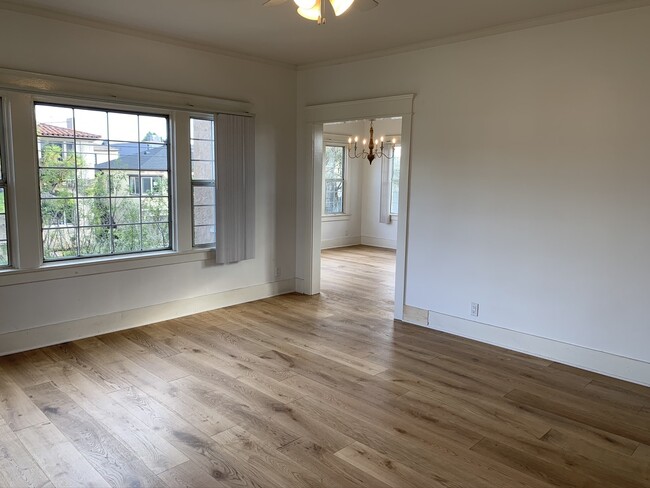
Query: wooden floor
{"x": 313, "y": 391}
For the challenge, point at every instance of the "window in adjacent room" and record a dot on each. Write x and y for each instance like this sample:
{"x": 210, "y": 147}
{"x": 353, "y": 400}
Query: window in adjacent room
{"x": 4, "y": 228}
{"x": 104, "y": 181}
{"x": 203, "y": 182}
{"x": 334, "y": 174}
{"x": 394, "y": 181}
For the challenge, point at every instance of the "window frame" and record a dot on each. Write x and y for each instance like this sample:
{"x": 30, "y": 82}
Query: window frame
{"x": 4, "y": 181}
{"x": 344, "y": 180}
{"x": 393, "y": 181}
{"x": 200, "y": 183}
{"x": 121, "y": 108}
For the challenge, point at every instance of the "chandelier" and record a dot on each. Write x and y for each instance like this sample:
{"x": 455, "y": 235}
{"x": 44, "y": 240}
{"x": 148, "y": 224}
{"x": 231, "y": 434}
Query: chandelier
{"x": 371, "y": 148}
{"x": 313, "y": 9}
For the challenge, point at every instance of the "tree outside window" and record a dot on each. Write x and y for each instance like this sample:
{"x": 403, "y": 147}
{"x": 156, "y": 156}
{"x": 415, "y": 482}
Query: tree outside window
{"x": 334, "y": 174}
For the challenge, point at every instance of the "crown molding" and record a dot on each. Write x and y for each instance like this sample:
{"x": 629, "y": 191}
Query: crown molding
{"x": 142, "y": 34}
{"x": 487, "y": 32}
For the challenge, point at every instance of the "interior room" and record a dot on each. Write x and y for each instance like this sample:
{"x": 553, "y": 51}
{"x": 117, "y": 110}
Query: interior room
{"x": 324, "y": 243}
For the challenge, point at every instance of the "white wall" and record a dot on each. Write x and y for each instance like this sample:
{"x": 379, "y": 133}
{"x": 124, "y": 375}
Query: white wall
{"x": 530, "y": 174}
{"x": 361, "y": 224}
{"x": 53, "y": 47}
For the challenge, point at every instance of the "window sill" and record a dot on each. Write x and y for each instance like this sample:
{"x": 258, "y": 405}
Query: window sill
{"x": 334, "y": 218}
{"x": 71, "y": 269}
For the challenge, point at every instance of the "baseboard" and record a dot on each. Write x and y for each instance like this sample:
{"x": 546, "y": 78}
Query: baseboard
{"x": 378, "y": 242}
{"x": 48, "y": 335}
{"x": 340, "y": 242}
{"x": 416, "y": 316}
{"x": 581, "y": 357}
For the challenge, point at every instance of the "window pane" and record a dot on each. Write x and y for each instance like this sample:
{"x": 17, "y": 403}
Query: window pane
{"x": 127, "y": 239}
{"x": 334, "y": 157}
{"x": 94, "y": 241}
{"x": 4, "y": 232}
{"x": 104, "y": 181}
{"x": 155, "y": 236}
{"x": 204, "y": 234}
{"x": 59, "y": 243}
{"x": 155, "y": 209}
{"x": 333, "y": 173}
{"x": 334, "y": 197}
{"x": 153, "y": 129}
{"x": 123, "y": 127}
{"x": 58, "y": 183}
{"x": 202, "y": 129}
{"x": 203, "y": 190}
{"x": 59, "y": 212}
{"x": 394, "y": 184}
{"x": 91, "y": 183}
{"x": 95, "y": 211}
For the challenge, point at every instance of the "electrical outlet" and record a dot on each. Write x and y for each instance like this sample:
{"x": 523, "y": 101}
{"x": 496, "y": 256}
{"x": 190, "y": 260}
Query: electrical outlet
{"x": 474, "y": 310}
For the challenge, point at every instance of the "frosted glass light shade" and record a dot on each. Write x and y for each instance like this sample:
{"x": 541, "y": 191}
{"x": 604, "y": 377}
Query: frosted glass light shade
{"x": 341, "y": 6}
{"x": 306, "y": 4}
{"x": 313, "y": 13}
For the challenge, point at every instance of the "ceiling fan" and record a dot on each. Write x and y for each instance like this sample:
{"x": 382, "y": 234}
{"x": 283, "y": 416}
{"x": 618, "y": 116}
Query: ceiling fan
{"x": 313, "y": 9}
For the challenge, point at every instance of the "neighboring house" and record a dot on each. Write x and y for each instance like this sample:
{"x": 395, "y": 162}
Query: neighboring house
{"x": 145, "y": 165}
{"x": 87, "y": 146}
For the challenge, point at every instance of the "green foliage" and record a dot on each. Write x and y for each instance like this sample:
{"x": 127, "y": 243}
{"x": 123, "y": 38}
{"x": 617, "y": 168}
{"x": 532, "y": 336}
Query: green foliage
{"x": 106, "y": 218}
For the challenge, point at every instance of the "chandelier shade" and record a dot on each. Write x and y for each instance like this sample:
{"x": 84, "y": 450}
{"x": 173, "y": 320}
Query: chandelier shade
{"x": 341, "y": 6}
{"x": 311, "y": 13}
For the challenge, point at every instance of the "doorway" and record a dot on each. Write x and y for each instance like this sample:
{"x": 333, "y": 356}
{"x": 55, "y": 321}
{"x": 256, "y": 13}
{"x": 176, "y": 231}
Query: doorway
{"x": 317, "y": 117}
{"x": 360, "y": 205}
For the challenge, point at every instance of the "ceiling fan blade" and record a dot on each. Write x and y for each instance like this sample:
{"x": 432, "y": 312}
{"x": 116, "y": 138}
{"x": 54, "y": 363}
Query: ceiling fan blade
{"x": 274, "y": 3}
{"x": 366, "y": 4}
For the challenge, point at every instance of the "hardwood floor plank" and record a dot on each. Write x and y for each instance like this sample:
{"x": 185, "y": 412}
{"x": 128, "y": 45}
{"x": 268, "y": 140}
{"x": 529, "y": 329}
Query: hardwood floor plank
{"x": 206, "y": 420}
{"x": 271, "y": 467}
{"x": 627, "y": 428}
{"x": 59, "y": 459}
{"x": 115, "y": 463}
{"x": 334, "y": 471}
{"x": 156, "y": 453}
{"x": 16, "y": 408}
{"x": 188, "y": 475}
{"x": 17, "y": 466}
{"x": 313, "y": 391}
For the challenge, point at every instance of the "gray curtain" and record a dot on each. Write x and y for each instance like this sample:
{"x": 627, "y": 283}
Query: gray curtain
{"x": 235, "y": 215}
{"x": 384, "y": 193}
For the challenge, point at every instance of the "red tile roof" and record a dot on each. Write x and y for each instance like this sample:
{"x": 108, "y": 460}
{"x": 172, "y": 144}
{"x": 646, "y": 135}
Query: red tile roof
{"x": 54, "y": 131}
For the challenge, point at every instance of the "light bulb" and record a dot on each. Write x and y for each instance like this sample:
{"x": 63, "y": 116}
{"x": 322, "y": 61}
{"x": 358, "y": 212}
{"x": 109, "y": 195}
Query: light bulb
{"x": 381, "y": 138}
{"x": 394, "y": 140}
{"x": 376, "y": 141}
{"x": 356, "y": 139}
{"x": 364, "y": 142}
{"x": 349, "y": 140}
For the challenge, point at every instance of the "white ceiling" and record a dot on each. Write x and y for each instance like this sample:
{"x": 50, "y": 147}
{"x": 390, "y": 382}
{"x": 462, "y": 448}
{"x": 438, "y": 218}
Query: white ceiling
{"x": 279, "y": 34}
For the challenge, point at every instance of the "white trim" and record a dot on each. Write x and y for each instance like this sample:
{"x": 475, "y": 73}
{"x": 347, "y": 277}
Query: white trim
{"x": 604, "y": 9}
{"x": 340, "y": 242}
{"x": 315, "y": 117}
{"x": 97, "y": 91}
{"x": 336, "y": 217}
{"x": 379, "y": 242}
{"x": 353, "y": 110}
{"x": 48, "y": 335}
{"x": 141, "y": 33}
{"x": 601, "y": 362}
{"x": 57, "y": 270}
